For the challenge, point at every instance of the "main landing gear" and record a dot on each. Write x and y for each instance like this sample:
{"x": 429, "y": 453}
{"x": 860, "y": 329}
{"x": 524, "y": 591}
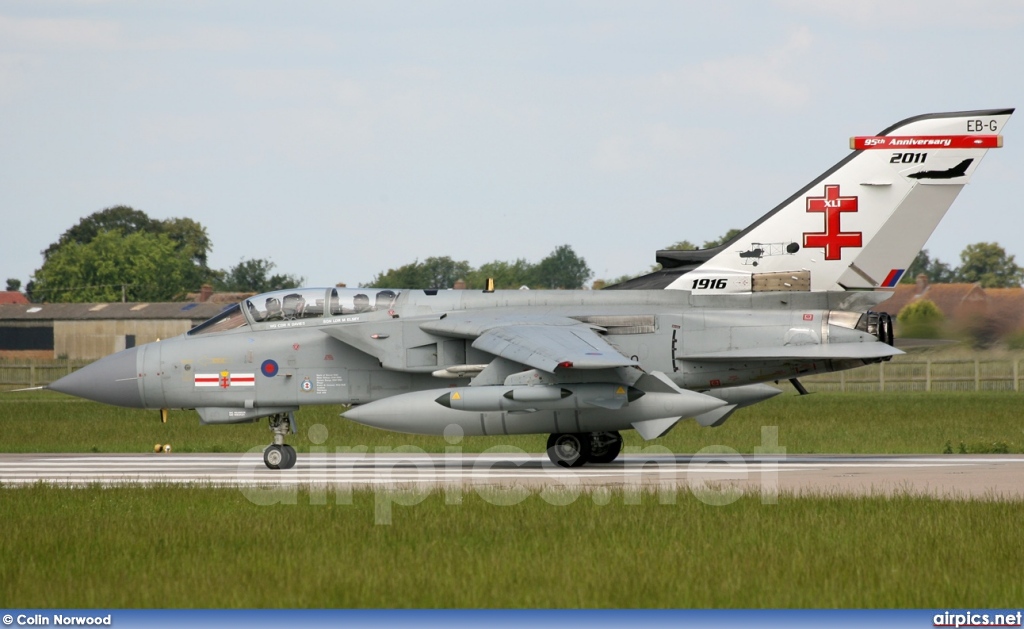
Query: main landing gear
{"x": 573, "y": 449}
{"x": 279, "y": 455}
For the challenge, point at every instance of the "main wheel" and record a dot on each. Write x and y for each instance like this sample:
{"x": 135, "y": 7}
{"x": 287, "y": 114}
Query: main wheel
{"x": 290, "y": 457}
{"x": 274, "y": 456}
{"x": 604, "y": 447}
{"x": 569, "y": 449}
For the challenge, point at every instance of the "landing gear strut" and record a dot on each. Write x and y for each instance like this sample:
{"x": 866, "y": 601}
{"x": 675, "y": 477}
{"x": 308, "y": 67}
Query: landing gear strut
{"x": 279, "y": 455}
{"x": 573, "y": 449}
{"x": 604, "y": 446}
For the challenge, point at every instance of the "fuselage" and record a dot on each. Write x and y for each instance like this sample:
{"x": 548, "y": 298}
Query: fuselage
{"x": 334, "y": 348}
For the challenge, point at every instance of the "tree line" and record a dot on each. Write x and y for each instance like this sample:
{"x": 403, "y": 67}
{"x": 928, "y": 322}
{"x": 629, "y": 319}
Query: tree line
{"x": 562, "y": 268}
{"x": 120, "y": 253}
{"x": 986, "y": 263}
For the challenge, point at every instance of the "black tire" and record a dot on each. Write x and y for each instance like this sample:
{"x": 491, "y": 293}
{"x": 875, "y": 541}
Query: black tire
{"x": 604, "y": 447}
{"x": 569, "y": 449}
{"x": 290, "y": 457}
{"x": 274, "y": 456}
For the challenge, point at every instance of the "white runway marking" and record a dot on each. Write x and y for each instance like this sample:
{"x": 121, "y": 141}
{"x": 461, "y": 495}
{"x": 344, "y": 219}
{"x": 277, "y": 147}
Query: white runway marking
{"x": 944, "y": 476}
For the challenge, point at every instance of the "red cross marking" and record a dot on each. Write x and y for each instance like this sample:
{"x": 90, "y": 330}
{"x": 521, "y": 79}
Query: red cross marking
{"x": 833, "y": 239}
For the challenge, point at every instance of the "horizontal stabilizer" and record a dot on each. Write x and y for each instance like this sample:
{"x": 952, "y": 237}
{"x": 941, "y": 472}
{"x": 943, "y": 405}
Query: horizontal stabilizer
{"x": 832, "y": 351}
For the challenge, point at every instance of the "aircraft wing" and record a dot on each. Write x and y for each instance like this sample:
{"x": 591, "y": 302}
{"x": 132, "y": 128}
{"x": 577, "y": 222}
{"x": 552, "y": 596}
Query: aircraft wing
{"x": 543, "y": 343}
{"x": 829, "y": 351}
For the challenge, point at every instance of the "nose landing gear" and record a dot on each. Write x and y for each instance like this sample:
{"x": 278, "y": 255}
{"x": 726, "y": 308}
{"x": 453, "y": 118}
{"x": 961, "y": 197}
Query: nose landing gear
{"x": 279, "y": 455}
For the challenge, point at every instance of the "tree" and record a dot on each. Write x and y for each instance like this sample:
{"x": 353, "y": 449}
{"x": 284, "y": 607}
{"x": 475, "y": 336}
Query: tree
{"x": 190, "y": 243}
{"x": 562, "y": 269}
{"x": 120, "y": 218}
{"x": 938, "y": 272}
{"x": 506, "y": 275}
{"x": 436, "y": 272}
{"x": 13, "y": 284}
{"x": 682, "y": 245}
{"x": 442, "y": 272}
{"x": 190, "y": 236}
{"x": 686, "y": 245}
{"x": 726, "y": 237}
{"x": 602, "y": 283}
{"x": 988, "y": 264}
{"x": 140, "y": 266}
{"x": 253, "y": 276}
{"x": 921, "y": 319}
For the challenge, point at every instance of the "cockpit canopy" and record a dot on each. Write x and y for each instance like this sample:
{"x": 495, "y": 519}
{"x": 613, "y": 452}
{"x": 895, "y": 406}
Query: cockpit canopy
{"x": 314, "y": 303}
{"x": 299, "y": 303}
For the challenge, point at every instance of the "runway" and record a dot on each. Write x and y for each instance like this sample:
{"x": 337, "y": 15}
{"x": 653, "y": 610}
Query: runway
{"x": 944, "y": 476}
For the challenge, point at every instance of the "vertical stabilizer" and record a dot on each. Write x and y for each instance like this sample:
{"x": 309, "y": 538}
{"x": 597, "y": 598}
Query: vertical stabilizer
{"x": 858, "y": 225}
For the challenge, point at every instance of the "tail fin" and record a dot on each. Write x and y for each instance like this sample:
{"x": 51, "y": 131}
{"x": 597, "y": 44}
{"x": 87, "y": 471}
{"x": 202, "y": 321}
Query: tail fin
{"x": 858, "y": 225}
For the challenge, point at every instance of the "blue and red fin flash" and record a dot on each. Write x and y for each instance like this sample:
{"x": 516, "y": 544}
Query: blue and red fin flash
{"x": 893, "y": 278}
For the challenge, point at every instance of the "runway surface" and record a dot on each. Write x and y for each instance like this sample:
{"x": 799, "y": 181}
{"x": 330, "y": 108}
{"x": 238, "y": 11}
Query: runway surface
{"x": 948, "y": 476}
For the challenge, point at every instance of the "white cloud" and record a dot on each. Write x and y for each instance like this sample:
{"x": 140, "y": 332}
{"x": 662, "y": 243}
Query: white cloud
{"x": 15, "y": 75}
{"x": 766, "y": 78}
{"x": 79, "y": 34}
{"x": 917, "y": 14}
{"x": 58, "y": 33}
{"x": 657, "y": 147}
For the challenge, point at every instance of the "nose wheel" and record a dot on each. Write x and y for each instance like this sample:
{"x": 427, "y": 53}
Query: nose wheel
{"x": 279, "y": 455}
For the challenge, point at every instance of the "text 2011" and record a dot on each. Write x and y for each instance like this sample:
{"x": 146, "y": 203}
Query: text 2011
{"x": 908, "y": 158}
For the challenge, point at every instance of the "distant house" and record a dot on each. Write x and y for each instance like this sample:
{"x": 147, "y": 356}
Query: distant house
{"x": 206, "y": 294}
{"x": 1006, "y": 305}
{"x": 91, "y": 331}
{"x": 954, "y": 301}
{"x": 961, "y": 302}
{"x": 12, "y": 297}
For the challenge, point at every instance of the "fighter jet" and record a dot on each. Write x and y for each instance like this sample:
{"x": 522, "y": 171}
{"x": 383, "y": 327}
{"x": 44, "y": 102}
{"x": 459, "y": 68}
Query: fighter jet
{"x": 581, "y": 366}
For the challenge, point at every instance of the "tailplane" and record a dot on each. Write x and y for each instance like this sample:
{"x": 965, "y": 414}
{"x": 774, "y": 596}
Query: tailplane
{"x": 859, "y": 225}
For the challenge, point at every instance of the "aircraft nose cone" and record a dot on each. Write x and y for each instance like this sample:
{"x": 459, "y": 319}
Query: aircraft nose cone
{"x": 111, "y": 380}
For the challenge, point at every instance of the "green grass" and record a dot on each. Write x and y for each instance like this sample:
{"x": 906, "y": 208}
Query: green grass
{"x": 926, "y": 423}
{"x": 186, "y": 547}
{"x": 182, "y": 547}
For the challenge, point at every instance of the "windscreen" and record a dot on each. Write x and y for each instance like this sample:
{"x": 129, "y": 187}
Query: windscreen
{"x": 228, "y": 320}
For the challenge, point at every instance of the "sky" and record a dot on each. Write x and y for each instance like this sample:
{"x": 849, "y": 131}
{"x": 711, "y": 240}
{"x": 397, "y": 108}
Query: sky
{"x": 340, "y": 139}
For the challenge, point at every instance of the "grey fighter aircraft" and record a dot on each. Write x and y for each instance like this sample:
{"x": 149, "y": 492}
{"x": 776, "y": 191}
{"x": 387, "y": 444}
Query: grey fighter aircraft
{"x": 582, "y": 366}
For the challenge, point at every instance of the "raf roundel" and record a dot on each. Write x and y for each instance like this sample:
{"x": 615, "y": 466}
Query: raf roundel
{"x": 269, "y": 368}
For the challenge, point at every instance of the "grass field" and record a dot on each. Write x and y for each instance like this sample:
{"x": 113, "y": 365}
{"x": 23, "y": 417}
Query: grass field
{"x": 182, "y": 547}
{"x": 927, "y": 423}
{"x": 202, "y": 547}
